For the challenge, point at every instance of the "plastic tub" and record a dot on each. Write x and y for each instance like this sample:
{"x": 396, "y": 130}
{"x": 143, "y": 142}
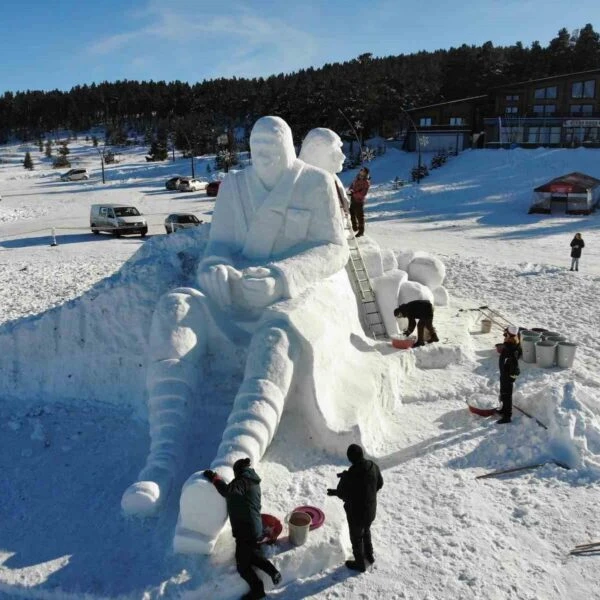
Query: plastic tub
{"x": 566, "y": 354}
{"x": 528, "y": 345}
{"x": 499, "y": 348}
{"x": 486, "y": 325}
{"x": 545, "y": 354}
{"x": 299, "y": 524}
{"x": 272, "y": 527}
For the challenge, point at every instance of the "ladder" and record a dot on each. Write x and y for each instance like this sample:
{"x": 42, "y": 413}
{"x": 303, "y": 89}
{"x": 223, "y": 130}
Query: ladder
{"x": 359, "y": 278}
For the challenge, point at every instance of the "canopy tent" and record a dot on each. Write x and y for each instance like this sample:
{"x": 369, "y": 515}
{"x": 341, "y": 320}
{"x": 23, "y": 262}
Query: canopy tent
{"x": 577, "y": 192}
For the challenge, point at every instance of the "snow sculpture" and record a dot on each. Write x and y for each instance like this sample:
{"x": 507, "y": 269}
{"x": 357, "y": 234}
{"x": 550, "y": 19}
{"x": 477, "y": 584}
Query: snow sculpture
{"x": 413, "y": 290}
{"x": 270, "y": 279}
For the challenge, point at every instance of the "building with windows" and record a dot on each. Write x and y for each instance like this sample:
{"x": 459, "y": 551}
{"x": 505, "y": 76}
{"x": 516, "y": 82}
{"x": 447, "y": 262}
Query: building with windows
{"x": 562, "y": 111}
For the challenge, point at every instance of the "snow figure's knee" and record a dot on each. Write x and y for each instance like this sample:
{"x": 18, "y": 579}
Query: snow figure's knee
{"x": 270, "y": 351}
{"x": 178, "y": 325}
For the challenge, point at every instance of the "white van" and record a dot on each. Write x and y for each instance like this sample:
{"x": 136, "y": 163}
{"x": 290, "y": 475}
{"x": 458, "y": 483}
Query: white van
{"x": 75, "y": 175}
{"x": 118, "y": 219}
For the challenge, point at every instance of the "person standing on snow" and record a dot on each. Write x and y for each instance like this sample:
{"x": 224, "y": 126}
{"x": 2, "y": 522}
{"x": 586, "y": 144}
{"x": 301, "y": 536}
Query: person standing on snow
{"x": 243, "y": 499}
{"x": 577, "y": 244}
{"x": 508, "y": 364}
{"x": 358, "y": 193}
{"x": 421, "y": 310}
{"x": 358, "y": 489}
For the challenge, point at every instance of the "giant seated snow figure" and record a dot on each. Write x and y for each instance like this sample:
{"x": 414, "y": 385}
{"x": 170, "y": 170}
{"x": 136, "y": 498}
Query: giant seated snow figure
{"x": 272, "y": 279}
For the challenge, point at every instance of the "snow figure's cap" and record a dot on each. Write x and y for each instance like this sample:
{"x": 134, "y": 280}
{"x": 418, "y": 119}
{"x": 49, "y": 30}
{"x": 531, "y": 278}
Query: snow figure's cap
{"x": 354, "y": 453}
{"x": 512, "y": 330}
{"x": 240, "y": 465}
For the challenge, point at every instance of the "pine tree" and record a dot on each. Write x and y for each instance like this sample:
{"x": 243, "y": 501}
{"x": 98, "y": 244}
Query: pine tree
{"x": 27, "y": 162}
{"x": 48, "y": 151}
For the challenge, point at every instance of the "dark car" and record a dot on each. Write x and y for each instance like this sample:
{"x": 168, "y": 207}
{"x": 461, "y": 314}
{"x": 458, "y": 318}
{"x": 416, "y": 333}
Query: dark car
{"x": 173, "y": 183}
{"x": 177, "y": 221}
{"x": 212, "y": 189}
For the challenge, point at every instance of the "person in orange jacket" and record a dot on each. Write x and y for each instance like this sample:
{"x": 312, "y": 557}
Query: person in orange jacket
{"x": 358, "y": 193}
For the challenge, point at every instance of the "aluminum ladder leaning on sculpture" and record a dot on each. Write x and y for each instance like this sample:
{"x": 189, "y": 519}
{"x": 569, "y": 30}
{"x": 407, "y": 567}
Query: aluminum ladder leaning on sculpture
{"x": 361, "y": 284}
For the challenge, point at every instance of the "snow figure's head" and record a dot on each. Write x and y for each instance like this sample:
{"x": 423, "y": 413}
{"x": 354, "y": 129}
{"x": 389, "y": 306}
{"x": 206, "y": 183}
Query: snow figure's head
{"x": 272, "y": 148}
{"x": 323, "y": 148}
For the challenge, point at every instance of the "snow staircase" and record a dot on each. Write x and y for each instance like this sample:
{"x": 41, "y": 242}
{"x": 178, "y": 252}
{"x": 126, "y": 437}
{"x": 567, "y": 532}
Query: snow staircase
{"x": 361, "y": 284}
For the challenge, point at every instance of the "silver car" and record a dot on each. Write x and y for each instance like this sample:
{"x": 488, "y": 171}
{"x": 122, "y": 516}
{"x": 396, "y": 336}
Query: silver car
{"x": 177, "y": 221}
{"x": 189, "y": 184}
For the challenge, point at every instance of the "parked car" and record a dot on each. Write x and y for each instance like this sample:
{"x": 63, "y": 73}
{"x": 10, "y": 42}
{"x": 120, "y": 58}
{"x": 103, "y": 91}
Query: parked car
{"x": 177, "y": 221}
{"x": 188, "y": 184}
{"x": 173, "y": 183}
{"x": 118, "y": 219}
{"x": 75, "y": 175}
{"x": 212, "y": 189}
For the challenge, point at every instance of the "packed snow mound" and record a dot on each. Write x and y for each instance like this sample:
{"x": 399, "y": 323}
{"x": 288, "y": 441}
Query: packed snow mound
{"x": 413, "y": 290}
{"x": 441, "y": 296}
{"x": 55, "y": 355}
{"x": 427, "y": 270}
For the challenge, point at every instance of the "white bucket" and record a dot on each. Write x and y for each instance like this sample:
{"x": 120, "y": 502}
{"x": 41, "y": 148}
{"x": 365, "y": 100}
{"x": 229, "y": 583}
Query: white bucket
{"x": 545, "y": 354}
{"x": 566, "y": 354}
{"x": 528, "y": 345}
{"x": 298, "y": 524}
{"x": 547, "y": 334}
{"x": 486, "y": 325}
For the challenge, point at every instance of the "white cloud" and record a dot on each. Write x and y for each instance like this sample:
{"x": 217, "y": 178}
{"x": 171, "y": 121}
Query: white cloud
{"x": 253, "y": 44}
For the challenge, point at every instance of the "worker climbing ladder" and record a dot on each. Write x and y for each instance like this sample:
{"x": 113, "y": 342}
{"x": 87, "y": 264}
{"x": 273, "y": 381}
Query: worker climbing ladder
{"x": 357, "y": 271}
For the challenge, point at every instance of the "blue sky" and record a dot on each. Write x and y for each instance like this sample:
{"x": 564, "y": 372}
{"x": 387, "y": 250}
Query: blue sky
{"x": 47, "y": 45}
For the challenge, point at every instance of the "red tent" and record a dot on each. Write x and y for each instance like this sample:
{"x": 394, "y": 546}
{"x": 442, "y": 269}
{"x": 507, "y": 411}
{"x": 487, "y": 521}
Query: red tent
{"x": 578, "y": 192}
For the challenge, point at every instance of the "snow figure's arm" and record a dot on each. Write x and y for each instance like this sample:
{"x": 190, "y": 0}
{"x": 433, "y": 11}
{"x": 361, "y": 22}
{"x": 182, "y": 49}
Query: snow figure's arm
{"x": 325, "y": 251}
{"x": 216, "y": 271}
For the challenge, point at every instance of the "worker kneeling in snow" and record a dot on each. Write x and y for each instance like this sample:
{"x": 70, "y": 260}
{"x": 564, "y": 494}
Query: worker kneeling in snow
{"x": 358, "y": 489}
{"x": 421, "y": 310}
{"x": 243, "y": 499}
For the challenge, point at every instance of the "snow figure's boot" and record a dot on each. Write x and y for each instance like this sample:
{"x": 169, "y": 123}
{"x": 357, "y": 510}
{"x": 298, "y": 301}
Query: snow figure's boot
{"x": 250, "y": 429}
{"x": 176, "y": 340}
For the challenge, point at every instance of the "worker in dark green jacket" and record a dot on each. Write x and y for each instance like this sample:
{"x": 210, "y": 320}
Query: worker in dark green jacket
{"x": 243, "y": 499}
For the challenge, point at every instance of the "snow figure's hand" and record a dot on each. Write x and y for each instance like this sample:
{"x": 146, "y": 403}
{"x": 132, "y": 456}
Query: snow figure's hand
{"x": 215, "y": 283}
{"x": 259, "y": 287}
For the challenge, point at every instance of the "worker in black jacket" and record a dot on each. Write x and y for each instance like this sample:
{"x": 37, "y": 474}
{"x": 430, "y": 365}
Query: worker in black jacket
{"x": 243, "y": 499}
{"x": 508, "y": 365}
{"x": 421, "y": 310}
{"x": 358, "y": 489}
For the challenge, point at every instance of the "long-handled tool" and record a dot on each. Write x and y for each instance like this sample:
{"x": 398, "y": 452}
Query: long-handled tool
{"x": 530, "y": 416}
{"x": 523, "y": 468}
{"x": 492, "y": 315}
{"x": 583, "y": 549}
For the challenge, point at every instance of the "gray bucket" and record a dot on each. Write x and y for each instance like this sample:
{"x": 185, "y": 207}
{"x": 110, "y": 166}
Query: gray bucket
{"x": 486, "y": 325}
{"x": 547, "y": 334}
{"x": 528, "y": 345}
{"x": 531, "y": 334}
{"x": 566, "y": 354}
{"x": 556, "y": 338}
{"x": 545, "y": 354}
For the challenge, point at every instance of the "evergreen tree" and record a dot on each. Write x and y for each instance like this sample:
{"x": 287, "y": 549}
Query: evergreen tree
{"x": 586, "y": 52}
{"x": 27, "y": 162}
{"x": 48, "y": 151}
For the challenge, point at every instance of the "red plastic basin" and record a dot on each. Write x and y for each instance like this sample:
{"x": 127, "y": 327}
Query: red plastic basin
{"x": 272, "y": 527}
{"x": 402, "y": 344}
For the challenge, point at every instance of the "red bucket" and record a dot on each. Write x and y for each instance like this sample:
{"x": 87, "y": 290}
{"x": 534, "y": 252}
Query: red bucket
{"x": 402, "y": 344}
{"x": 482, "y": 412}
{"x": 499, "y": 348}
{"x": 272, "y": 527}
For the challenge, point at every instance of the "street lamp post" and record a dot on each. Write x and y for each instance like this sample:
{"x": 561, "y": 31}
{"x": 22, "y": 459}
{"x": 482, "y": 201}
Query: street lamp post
{"x": 101, "y": 153}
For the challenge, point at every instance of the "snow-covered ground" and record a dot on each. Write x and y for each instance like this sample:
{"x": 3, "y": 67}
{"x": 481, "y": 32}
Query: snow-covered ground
{"x": 68, "y": 449}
